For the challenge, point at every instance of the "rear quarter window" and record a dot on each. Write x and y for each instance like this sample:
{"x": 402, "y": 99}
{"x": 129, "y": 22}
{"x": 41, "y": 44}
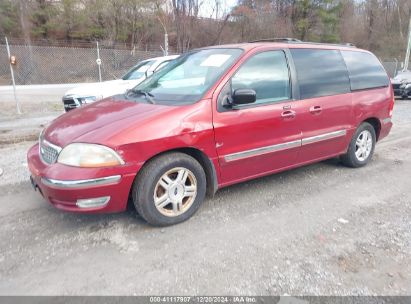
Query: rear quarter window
{"x": 320, "y": 72}
{"x": 365, "y": 70}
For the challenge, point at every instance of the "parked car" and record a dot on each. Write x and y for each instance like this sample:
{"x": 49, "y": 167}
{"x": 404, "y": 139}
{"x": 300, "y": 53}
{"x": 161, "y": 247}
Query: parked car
{"x": 214, "y": 117}
{"x": 401, "y": 84}
{"x": 88, "y": 93}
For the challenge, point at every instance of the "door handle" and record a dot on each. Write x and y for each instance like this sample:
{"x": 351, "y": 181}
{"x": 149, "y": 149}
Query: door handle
{"x": 289, "y": 114}
{"x": 315, "y": 110}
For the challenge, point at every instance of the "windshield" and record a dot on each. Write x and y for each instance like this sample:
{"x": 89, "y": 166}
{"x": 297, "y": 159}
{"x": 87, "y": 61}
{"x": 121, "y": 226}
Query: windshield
{"x": 138, "y": 71}
{"x": 187, "y": 78}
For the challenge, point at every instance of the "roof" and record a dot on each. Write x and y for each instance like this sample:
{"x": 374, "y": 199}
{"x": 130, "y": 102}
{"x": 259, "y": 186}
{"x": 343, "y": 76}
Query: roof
{"x": 290, "y": 44}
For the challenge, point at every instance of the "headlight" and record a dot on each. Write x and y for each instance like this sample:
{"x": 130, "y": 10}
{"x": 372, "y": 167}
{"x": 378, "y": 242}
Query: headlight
{"x": 89, "y": 99}
{"x": 89, "y": 156}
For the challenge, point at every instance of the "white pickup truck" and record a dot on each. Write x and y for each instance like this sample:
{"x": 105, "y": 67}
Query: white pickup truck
{"x": 92, "y": 92}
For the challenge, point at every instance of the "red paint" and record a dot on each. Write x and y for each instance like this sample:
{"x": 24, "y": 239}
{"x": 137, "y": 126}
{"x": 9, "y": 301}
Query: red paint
{"x": 139, "y": 131}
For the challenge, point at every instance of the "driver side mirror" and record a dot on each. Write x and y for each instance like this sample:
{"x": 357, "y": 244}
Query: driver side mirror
{"x": 243, "y": 96}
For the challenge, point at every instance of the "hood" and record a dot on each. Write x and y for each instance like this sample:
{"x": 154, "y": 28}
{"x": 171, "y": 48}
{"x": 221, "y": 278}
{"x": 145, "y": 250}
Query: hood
{"x": 100, "y": 116}
{"x": 103, "y": 89}
{"x": 402, "y": 77}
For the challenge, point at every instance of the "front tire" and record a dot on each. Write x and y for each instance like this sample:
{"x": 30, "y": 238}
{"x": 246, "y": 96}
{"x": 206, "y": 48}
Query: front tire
{"x": 361, "y": 148}
{"x": 169, "y": 189}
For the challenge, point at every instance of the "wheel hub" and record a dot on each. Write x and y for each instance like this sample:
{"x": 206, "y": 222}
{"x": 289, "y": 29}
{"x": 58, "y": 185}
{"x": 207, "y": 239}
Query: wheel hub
{"x": 176, "y": 192}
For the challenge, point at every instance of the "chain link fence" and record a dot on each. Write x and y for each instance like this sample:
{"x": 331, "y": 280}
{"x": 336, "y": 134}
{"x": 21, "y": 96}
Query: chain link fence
{"x": 38, "y": 63}
{"x": 43, "y": 62}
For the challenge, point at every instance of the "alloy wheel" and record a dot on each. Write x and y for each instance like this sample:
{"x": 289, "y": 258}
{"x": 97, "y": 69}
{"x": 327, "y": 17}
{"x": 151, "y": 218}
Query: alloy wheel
{"x": 363, "y": 145}
{"x": 175, "y": 192}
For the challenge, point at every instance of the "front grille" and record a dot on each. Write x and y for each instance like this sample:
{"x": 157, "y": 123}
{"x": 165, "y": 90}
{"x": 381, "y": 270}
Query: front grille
{"x": 70, "y": 103}
{"x": 49, "y": 152}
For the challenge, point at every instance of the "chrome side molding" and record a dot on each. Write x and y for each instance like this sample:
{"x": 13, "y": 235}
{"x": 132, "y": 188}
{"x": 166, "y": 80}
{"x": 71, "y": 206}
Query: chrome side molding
{"x": 262, "y": 150}
{"x": 283, "y": 146}
{"x": 321, "y": 137}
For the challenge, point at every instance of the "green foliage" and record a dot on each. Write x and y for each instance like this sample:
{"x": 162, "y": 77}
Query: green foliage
{"x": 317, "y": 20}
{"x": 41, "y": 18}
{"x": 330, "y": 13}
{"x": 380, "y": 26}
{"x": 9, "y": 25}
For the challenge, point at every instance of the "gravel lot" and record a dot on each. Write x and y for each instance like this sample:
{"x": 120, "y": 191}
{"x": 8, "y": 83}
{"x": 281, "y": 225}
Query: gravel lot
{"x": 321, "y": 229}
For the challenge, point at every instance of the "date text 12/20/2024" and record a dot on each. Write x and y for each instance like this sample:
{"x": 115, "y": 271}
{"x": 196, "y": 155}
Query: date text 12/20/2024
{"x": 203, "y": 299}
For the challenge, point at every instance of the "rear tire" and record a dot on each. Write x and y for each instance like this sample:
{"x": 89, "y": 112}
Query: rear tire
{"x": 361, "y": 148}
{"x": 169, "y": 189}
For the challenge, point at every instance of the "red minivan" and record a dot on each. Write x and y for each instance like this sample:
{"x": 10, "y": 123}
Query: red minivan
{"x": 216, "y": 116}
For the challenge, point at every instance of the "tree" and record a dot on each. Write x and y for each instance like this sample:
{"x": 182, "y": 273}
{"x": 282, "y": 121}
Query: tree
{"x": 185, "y": 15}
{"x": 9, "y": 25}
{"x": 330, "y": 16}
{"x": 41, "y": 14}
{"x": 378, "y": 25}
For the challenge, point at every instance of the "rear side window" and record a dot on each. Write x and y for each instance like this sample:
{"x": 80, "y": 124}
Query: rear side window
{"x": 365, "y": 70}
{"x": 320, "y": 72}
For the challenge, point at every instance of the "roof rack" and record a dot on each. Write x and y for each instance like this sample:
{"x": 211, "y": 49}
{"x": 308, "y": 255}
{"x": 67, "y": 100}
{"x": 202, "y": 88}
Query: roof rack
{"x": 294, "y": 40}
{"x": 276, "y": 40}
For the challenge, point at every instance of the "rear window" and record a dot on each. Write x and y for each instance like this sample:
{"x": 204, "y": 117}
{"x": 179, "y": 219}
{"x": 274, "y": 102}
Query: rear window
{"x": 365, "y": 71}
{"x": 320, "y": 72}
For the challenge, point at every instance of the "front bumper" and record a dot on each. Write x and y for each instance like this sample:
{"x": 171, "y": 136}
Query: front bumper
{"x": 399, "y": 90}
{"x": 71, "y": 102}
{"x": 406, "y": 92}
{"x": 86, "y": 190}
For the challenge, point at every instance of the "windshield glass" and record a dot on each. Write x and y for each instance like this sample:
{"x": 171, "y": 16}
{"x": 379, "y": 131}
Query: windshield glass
{"x": 138, "y": 71}
{"x": 187, "y": 78}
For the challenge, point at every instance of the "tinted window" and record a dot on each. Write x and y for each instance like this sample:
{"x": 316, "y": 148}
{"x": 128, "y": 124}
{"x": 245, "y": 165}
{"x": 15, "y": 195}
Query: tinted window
{"x": 267, "y": 74}
{"x": 365, "y": 70}
{"x": 320, "y": 72}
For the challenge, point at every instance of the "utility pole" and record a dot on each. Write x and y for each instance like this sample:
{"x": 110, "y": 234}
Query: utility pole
{"x": 98, "y": 61}
{"x": 407, "y": 54}
{"x": 12, "y": 61}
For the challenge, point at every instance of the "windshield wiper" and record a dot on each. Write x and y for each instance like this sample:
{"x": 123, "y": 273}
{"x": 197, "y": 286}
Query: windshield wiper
{"x": 146, "y": 94}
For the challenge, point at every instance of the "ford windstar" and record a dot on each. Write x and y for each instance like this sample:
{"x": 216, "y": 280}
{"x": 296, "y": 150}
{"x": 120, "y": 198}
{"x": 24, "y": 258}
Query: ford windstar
{"x": 214, "y": 117}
